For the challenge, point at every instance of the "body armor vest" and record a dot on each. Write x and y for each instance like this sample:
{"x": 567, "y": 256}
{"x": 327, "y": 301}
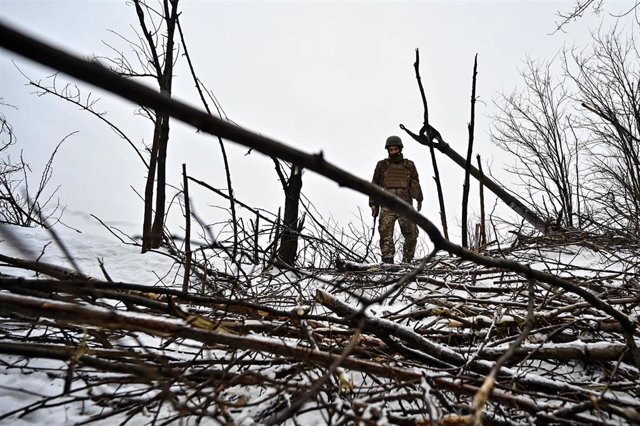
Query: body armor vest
{"x": 396, "y": 176}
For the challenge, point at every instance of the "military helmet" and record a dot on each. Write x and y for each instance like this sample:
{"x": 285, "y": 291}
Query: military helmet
{"x": 393, "y": 141}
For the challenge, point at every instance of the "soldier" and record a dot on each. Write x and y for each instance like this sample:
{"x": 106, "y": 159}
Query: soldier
{"x": 399, "y": 176}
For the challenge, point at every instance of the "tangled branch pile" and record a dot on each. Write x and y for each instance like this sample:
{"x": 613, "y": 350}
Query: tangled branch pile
{"x": 309, "y": 346}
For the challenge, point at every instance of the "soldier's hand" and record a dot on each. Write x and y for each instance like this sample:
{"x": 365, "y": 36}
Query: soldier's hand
{"x": 374, "y": 211}
{"x": 419, "y": 206}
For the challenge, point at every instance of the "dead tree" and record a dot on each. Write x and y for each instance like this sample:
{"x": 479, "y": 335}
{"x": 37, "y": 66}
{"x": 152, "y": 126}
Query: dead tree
{"x": 428, "y": 134}
{"x": 434, "y": 161}
{"x": 161, "y": 62}
{"x": 155, "y": 49}
{"x": 291, "y": 225}
{"x": 536, "y": 127}
{"x": 20, "y": 204}
{"x": 482, "y": 230}
{"x": 585, "y": 122}
{"x": 606, "y": 77}
{"x": 471, "y": 128}
{"x": 202, "y": 90}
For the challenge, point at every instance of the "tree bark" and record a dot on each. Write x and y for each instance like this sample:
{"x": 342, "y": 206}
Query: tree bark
{"x": 483, "y": 228}
{"x": 187, "y": 230}
{"x": 288, "y": 250}
{"x": 152, "y": 233}
{"x": 465, "y": 186}
{"x": 148, "y": 192}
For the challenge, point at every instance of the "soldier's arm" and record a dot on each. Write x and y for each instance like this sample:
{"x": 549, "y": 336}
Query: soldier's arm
{"x": 377, "y": 180}
{"x": 377, "y": 174}
{"x": 415, "y": 181}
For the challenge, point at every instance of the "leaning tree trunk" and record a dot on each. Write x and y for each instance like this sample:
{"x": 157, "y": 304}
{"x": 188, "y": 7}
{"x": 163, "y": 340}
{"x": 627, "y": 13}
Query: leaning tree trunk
{"x": 430, "y": 134}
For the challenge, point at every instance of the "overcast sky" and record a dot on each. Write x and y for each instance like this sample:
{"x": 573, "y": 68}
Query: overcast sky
{"x": 323, "y": 76}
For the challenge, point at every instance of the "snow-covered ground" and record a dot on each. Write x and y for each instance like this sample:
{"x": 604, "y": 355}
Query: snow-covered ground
{"x": 20, "y": 386}
{"x": 32, "y": 389}
{"x": 123, "y": 262}
{"x": 451, "y": 310}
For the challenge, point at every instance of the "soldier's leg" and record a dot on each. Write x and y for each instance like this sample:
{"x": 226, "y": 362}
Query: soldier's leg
{"x": 410, "y": 234}
{"x": 385, "y": 227}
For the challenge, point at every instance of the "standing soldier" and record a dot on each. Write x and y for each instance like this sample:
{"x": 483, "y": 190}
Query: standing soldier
{"x": 400, "y": 177}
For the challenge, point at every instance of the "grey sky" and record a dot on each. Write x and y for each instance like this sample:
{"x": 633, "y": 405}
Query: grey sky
{"x": 335, "y": 77}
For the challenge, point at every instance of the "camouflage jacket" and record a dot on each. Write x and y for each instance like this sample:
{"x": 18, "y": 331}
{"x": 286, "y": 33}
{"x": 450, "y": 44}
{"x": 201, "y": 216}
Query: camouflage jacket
{"x": 400, "y": 178}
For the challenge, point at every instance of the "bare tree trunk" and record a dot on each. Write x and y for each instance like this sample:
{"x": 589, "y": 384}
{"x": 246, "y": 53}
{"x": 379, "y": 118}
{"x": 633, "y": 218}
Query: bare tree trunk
{"x": 187, "y": 230}
{"x": 256, "y": 233}
{"x": 483, "y": 230}
{"x": 289, "y": 240}
{"x": 152, "y": 233}
{"x": 465, "y": 187}
{"x": 158, "y": 220}
{"x": 148, "y": 192}
{"x": 436, "y": 178}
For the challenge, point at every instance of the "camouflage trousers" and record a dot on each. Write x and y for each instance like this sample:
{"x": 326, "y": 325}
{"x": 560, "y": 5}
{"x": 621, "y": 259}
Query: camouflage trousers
{"x": 409, "y": 231}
